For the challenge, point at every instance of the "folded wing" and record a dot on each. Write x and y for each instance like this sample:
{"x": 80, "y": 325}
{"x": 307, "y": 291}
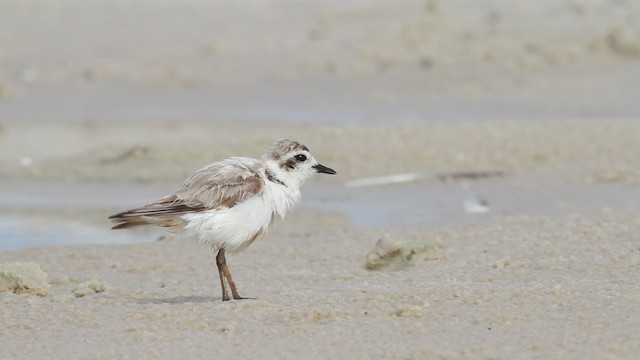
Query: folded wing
{"x": 222, "y": 184}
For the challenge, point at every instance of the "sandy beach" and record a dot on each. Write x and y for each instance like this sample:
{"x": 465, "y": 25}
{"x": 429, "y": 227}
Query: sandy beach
{"x": 486, "y": 203}
{"x": 551, "y": 275}
{"x": 526, "y": 288}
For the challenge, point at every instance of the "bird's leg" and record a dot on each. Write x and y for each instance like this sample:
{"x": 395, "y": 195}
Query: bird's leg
{"x": 221, "y": 262}
{"x": 220, "y": 259}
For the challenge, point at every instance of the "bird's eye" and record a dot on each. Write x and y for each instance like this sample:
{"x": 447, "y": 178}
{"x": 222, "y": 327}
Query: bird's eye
{"x": 300, "y": 157}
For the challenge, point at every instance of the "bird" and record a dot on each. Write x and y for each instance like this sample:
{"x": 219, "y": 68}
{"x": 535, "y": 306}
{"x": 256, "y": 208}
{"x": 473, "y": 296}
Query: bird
{"x": 231, "y": 203}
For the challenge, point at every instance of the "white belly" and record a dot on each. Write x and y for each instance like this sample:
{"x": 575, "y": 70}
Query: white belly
{"x": 235, "y": 228}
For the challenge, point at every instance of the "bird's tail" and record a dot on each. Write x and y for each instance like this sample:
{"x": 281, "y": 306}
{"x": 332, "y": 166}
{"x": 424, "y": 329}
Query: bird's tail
{"x": 138, "y": 217}
{"x": 132, "y": 218}
{"x": 165, "y": 212}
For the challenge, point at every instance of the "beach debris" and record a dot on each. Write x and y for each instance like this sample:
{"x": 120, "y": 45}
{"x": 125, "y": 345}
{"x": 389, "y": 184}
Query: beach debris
{"x": 408, "y": 311}
{"x": 392, "y": 255}
{"x": 503, "y": 263}
{"x": 476, "y": 205}
{"x": 23, "y": 278}
{"x": 93, "y": 286}
{"x": 26, "y": 161}
{"x": 413, "y": 177}
{"x": 470, "y": 175}
{"x": 621, "y": 42}
{"x": 385, "y": 180}
{"x": 134, "y": 151}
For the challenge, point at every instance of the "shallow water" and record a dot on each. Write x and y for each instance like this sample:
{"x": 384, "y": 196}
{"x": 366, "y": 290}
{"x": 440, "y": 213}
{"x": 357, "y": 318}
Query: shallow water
{"x": 60, "y": 213}
{"x": 41, "y": 230}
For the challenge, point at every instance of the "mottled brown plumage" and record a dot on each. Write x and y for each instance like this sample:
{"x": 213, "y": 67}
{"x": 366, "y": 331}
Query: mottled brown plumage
{"x": 222, "y": 184}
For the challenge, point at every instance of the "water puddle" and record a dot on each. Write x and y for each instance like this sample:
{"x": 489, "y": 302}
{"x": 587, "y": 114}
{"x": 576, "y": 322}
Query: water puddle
{"x": 18, "y": 232}
{"x": 34, "y": 214}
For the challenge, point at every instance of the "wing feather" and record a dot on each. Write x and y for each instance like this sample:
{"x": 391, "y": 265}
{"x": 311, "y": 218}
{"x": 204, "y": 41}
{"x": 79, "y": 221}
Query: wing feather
{"x": 222, "y": 184}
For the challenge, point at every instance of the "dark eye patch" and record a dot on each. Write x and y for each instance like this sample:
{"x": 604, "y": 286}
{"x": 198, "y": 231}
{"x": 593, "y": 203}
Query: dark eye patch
{"x": 301, "y": 157}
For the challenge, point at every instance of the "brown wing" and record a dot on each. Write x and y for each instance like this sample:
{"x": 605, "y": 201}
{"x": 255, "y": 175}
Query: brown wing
{"x": 222, "y": 184}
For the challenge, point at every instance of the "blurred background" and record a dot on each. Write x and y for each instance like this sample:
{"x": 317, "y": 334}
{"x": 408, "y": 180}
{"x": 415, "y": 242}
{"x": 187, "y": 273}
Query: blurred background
{"x": 309, "y": 61}
{"x": 110, "y": 104}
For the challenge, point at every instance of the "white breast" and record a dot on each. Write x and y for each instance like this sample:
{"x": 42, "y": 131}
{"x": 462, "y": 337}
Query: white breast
{"x": 235, "y": 228}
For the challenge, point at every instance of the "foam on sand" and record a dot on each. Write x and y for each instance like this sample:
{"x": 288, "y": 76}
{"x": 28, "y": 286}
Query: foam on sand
{"x": 93, "y": 286}
{"x": 23, "y": 278}
{"x": 391, "y": 254}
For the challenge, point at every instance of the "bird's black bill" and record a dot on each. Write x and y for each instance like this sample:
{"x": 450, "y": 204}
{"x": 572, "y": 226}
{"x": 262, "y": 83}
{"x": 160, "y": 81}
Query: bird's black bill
{"x": 323, "y": 169}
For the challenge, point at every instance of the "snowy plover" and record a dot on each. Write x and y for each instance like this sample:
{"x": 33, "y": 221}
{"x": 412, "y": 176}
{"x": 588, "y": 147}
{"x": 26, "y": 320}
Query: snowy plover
{"x": 231, "y": 203}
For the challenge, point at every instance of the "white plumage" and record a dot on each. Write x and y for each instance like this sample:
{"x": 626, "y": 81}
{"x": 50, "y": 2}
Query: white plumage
{"x": 231, "y": 203}
{"x": 236, "y": 228}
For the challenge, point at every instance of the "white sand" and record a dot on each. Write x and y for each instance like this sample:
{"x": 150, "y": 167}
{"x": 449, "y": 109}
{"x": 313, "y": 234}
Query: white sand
{"x": 526, "y": 287}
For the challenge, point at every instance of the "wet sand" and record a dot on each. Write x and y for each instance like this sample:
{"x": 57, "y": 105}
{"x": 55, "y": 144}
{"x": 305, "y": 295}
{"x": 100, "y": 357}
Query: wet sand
{"x": 574, "y": 151}
{"x": 525, "y": 288}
